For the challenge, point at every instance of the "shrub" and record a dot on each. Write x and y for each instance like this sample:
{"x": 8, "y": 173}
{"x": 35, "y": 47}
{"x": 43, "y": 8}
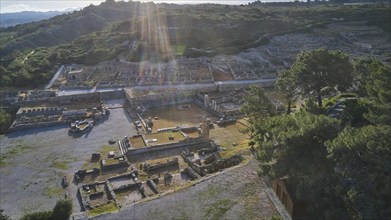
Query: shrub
{"x": 43, "y": 215}
{"x": 61, "y": 211}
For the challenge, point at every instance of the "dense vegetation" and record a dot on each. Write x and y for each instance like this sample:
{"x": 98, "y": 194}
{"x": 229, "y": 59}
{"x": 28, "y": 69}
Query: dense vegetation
{"x": 5, "y": 121}
{"x": 30, "y": 53}
{"x": 61, "y": 211}
{"x": 340, "y": 165}
{"x": 4, "y": 216}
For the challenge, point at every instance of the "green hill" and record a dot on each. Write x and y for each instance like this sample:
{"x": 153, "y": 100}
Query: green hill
{"x": 30, "y": 53}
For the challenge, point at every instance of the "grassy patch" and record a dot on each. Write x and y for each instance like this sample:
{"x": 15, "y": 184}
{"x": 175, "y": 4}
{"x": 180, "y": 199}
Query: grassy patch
{"x": 106, "y": 149}
{"x": 62, "y": 165}
{"x": 171, "y": 116}
{"x": 210, "y": 192}
{"x": 111, "y": 161}
{"x": 108, "y": 207}
{"x": 54, "y": 192}
{"x": 182, "y": 216}
{"x": 241, "y": 148}
{"x": 89, "y": 166}
{"x": 178, "y": 50}
{"x": 251, "y": 198}
{"x": 219, "y": 208}
{"x": 12, "y": 151}
{"x": 163, "y": 137}
{"x": 3, "y": 161}
{"x": 232, "y": 138}
{"x": 137, "y": 142}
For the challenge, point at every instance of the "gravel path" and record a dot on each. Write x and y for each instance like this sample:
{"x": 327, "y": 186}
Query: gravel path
{"x": 236, "y": 193}
{"x": 34, "y": 161}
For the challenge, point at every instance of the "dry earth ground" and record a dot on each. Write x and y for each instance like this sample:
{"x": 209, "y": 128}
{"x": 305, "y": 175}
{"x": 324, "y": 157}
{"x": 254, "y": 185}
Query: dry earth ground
{"x": 33, "y": 162}
{"x": 235, "y": 193}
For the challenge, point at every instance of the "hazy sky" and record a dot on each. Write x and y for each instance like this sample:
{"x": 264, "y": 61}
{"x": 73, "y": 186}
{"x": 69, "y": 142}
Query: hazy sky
{"x": 48, "y": 5}
{"x": 7, "y": 6}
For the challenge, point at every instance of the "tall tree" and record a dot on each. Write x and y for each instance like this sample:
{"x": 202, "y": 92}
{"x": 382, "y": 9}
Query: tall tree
{"x": 362, "y": 161}
{"x": 373, "y": 83}
{"x": 292, "y": 146}
{"x": 4, "y": 216}
{"x": 373, "y": 78}
{"x": 286, "y": 85}
{"x": 321, "y": 72}
{"x": 256, "y": 104}
{"x": 5, "y": 121}
{"x": 62, "y": 210}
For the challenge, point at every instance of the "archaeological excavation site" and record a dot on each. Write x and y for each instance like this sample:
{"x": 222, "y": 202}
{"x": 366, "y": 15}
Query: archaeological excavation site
{"x": 207, "y": 110}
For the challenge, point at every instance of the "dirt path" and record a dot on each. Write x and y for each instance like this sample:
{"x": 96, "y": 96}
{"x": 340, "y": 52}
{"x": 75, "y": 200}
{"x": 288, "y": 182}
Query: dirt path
{"x": 27, "y": 56}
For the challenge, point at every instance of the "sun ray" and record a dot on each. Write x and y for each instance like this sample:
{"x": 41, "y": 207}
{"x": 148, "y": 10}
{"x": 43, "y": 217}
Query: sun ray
{"x": 157, "y": 54}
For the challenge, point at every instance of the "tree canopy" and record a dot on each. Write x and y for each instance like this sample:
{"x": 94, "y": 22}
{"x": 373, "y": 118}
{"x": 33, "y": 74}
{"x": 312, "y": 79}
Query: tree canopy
{"x": 286, "y": 84}
{"x": 340, "y": 167}
{"x": 256, "y": 104}
{"x": 61, "y": 211}
{"x": 320, "y": 72}
{"x": 361, "y": 157}
{"x": 373, "y": 78}
{"x": 373, "y": 84}
{"x": 5, "y": 121}
{"x": 293, "y": 147}
{"x": 4, "y": 216}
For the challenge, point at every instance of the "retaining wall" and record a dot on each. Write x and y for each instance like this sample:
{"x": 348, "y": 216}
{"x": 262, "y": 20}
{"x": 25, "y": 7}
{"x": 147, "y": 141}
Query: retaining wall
{"x": 191, "y": 143}
{"x": 110, "y": 95}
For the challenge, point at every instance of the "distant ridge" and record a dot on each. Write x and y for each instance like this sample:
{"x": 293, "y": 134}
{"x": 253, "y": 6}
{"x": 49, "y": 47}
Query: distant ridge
{"x": 15, "y": 18}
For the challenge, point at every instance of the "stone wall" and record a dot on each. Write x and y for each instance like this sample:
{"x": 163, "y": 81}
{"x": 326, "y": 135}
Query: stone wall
{"x": 192, "y": 143}
{"x": 120, "y": 164}
{"x": 58, "y": 100}
{"x": 110, "y": 95}
{"x": 228, "y": 86}
{"x": 30, "y": 112}
{"x": 161, "y": 167}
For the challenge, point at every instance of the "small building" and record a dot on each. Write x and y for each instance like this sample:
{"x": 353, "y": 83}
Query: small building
{"x": 295, "y": 207}
{"x": 76, "y": 75}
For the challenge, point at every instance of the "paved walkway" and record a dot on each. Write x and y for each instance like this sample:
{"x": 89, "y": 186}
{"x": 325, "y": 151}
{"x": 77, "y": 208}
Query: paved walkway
{"x": 59, "y": 71}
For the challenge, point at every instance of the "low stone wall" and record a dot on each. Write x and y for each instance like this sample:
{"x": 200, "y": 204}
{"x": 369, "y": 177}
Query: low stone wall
{"x": 149, "y": 167}
{"x": 227, "y": 86}
{"x": 36, "y": 125}
{"x": 192, "y": 174}
{"x": 85, "y": 198}
{"x": 110, "y": 95}
{"x": 63, "y": 99}
{"x": 120, "y": 164}
{"x": 153, "y": 186}
{"x": 214, "y": 164}
{"x": 130, "y": 186}
{"x": 189, "y": 143}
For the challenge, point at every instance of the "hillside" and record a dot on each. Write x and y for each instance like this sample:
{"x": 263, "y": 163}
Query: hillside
{"x": 137, "y": 31}
{"x": 63, "y": 28}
